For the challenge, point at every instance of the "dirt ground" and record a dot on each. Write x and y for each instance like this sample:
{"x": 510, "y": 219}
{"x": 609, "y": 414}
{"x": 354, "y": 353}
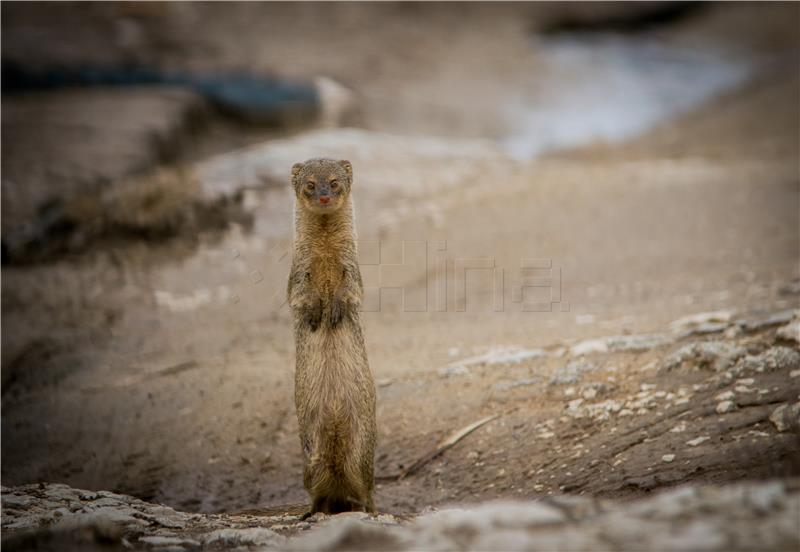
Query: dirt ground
{"x": 164, "y": 369}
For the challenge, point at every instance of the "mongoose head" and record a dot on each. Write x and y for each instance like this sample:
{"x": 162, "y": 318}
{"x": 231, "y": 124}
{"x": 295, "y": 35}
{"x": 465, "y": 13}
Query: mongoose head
{"x": 322, "y": 185}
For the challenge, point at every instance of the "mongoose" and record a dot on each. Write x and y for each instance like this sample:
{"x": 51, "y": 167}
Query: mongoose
{"x": 334, "y": 389}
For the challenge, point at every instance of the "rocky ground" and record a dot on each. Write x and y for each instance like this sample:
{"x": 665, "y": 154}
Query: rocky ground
{"x": 644, "y": 391}
{"x": 752, "y": 516}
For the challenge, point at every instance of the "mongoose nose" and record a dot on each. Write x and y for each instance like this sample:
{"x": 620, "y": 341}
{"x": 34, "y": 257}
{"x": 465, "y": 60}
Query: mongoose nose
{"x": 324, "y": 199}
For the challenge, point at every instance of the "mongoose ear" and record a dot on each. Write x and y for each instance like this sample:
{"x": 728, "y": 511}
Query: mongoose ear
{"x": 347, "y": 166}
{"x": 296, "y": 169}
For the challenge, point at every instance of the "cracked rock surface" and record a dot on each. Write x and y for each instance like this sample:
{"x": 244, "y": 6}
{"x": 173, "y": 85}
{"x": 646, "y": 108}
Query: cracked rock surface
{"x": 734, "y": 517}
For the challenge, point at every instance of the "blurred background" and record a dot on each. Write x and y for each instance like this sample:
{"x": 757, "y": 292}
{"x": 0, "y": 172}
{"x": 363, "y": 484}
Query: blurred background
{"x": 645, "y": 153}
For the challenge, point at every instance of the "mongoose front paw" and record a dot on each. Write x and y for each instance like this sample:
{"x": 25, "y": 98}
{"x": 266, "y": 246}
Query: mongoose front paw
{"x": 312, "y": 315}
{"x": 339, "y": 309}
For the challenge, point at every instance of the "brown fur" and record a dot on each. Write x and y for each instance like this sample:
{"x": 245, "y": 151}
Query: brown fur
{"x": 334, "y": 390}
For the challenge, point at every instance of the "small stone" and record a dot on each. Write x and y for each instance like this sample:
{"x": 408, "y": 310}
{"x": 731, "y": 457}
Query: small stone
{"x": 732, "y": 332}
{"x": 790, "y": 332}
{"x": 574, "y": 405}
{"x": 697, "y": 441}
{"x": 785, "y": 416}
{"x": 725, "y": 406}
{"x": 794, "y": 374}
{"x": 668, "y": 458}
{"x": 725, "y": 396}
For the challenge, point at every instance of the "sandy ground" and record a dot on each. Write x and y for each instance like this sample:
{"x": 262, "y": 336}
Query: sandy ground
{"x": 164, "y": 370}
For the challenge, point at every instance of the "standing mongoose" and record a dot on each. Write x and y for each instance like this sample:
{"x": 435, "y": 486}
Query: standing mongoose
{"x": 334, "y": 390}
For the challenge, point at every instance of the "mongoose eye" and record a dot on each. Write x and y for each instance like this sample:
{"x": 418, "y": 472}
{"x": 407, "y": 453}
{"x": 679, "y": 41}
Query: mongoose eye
{"x": 334, "y": 184}
{"x": 309, "y": 185}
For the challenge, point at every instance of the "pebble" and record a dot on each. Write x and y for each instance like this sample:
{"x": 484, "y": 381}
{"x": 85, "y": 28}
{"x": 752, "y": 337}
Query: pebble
{"x": 785, "y": 416}
{"x": 725, "y": 396}
{"x": 725, "y": 407}
{"x": 697, "y": 441}
{"x": 790, "y": 332}
{"x": 668, "y": 458}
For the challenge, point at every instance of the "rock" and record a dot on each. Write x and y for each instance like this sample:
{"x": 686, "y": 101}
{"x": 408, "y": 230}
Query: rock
{"x": 619, "y": 343}
{"x": 390, "y": 166}
{"x": 341, "y": 534}
{"x": 756, "y": 515}
{"x": 718, "y": 355}
{"x": 786, "y": 416}
{"x": 759, "y": 324}
{"x": 449, "y": 371}
{"x": 497, "y": 356}
{"x": 697, "y": 441}
{"x": 572, "y": 372}
{"x": 14, "y": 501}
{"x": 774, "y": 358}
{"x": 589, "y": 346}
{"x": 250, "y": 536}
{"x": 158, "y": 540}
{"x": 725, "y": 406}
{"x": 725, "y": 396}
{"x": 668, "y": 458}
{"x": 765, "y": 498}
{"x": 718, "y": 320}
{"x": 790, "y": 332}
{"x": 506, "y": 385}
